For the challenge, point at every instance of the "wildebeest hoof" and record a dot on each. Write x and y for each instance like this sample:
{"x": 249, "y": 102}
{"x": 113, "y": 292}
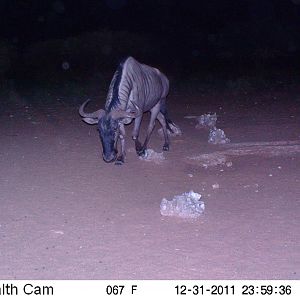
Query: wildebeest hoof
{"x": 141, "y": 152}
{"x": 119, "y": 161}
{"x": 166, "y": 148}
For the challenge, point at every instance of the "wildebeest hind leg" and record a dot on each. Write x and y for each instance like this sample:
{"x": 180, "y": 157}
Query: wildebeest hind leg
{"x": 154, "y": 113}
{"x": 162, "y": 120}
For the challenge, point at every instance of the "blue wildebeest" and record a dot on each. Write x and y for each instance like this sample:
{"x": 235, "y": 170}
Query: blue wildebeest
{"x": 135, "y": 88}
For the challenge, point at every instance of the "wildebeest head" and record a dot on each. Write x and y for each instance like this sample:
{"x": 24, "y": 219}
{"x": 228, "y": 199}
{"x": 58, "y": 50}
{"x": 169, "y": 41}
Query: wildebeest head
{"x": 108, "y": 127}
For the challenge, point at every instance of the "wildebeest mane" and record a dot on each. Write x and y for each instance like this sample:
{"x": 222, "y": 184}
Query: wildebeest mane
{"x": 115, "y": 100}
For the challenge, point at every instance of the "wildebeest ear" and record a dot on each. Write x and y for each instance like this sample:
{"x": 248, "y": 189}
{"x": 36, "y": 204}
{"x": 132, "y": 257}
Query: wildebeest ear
{"x": 91, "y": 121}
{"x": 128, "y": 114}
{"x": 123, "y": 117}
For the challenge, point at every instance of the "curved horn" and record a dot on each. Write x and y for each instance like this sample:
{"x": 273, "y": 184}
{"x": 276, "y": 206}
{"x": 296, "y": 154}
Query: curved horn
{"x": 94, "y": 115}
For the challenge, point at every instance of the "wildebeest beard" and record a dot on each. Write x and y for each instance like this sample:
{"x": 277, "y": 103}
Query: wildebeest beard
{"x": 108, "y": 132}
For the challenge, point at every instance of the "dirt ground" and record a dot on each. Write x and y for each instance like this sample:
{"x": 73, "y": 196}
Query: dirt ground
{"x": 65, "y": 214}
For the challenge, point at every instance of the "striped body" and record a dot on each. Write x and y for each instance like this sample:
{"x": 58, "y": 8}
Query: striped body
{"x": 136, "y": 83}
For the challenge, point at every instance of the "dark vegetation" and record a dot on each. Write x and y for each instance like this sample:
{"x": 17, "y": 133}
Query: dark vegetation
{"x": 200, "y": 46}
{"x": 85, "y": 64}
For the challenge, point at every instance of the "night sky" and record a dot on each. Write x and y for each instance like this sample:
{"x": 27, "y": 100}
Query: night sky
{"x": 181, "y": 30}
{"x": 29, "y": 21}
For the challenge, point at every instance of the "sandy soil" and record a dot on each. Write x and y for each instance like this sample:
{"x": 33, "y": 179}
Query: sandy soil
{"x": 65, "y": 214}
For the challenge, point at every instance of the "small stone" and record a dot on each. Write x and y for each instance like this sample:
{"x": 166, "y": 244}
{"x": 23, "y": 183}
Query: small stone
{"x": 215, "y": 186}
{"x": 229, "y": 164}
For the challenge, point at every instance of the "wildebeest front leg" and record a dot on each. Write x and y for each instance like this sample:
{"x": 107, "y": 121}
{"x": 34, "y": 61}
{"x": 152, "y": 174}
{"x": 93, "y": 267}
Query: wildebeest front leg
{"x": 135, "y": 135}
{"x": 121, "y": 157}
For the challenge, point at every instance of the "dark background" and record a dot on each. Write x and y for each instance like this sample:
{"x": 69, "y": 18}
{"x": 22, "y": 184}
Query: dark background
{"x": 57, "y": 41}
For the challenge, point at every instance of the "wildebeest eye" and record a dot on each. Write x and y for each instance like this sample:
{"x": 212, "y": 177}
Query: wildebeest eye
{"x": 114, "y": 125}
